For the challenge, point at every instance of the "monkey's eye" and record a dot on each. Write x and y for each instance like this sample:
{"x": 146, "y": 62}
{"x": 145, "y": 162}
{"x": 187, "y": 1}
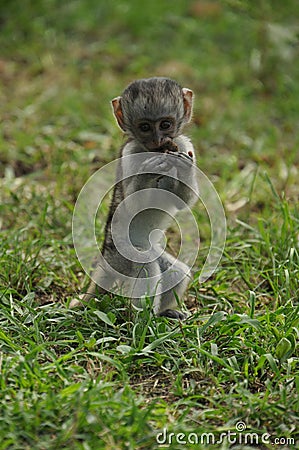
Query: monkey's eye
{"x": 144, "y": 127}
{"x": 165, "y": 124}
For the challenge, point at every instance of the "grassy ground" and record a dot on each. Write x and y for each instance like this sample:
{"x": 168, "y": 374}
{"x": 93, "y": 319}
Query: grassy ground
{"x": 112, "y": 379}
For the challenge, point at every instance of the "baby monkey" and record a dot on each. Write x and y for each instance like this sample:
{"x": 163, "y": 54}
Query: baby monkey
{"x": 153, "y": 162}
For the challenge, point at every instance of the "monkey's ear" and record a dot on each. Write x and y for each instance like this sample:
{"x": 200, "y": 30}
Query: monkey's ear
{"x": 118, "y": 113}
{"x": 188, "y": 102}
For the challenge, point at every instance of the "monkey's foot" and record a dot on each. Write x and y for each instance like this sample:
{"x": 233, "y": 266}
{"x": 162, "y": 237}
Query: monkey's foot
{"x": 76, "y": 302}
{"x": 173, "y": 314}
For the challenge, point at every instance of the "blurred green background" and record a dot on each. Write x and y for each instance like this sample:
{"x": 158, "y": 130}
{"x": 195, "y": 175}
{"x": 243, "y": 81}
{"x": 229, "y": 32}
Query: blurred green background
{"x": 62, "y": 62}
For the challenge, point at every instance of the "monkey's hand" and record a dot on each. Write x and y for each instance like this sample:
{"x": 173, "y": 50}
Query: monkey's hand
{"x": 183, "y": 162}
{"x": 152, "y": 173}
{"x": 171, "y": 147}
{"x": 159, "y": 165}
{"x": 189, "y": 156}
{"x": 184, "y": 148}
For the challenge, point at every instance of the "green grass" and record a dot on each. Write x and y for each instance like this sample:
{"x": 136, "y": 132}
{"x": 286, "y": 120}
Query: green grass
{"x": 106, "y": 376}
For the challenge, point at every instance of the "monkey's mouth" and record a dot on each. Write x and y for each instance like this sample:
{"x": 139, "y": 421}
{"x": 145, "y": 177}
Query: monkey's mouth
{"x": 168, "y": 146}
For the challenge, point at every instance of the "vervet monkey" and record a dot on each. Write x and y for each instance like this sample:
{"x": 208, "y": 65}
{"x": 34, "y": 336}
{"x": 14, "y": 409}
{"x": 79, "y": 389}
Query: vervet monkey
{"x": 152, "y": 113}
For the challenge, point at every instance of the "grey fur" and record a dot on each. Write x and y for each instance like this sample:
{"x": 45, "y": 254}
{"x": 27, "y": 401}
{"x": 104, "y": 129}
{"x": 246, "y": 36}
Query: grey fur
{"x": 152, "y": 99}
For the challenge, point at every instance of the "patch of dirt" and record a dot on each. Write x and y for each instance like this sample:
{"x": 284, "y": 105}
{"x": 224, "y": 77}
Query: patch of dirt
{"x": 20, "y": 168}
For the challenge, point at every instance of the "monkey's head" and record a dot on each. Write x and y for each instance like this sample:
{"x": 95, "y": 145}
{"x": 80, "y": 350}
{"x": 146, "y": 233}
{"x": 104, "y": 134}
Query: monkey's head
{"x": 153, "y": 111}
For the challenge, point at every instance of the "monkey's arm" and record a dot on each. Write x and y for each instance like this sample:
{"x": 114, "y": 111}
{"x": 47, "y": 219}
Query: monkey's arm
{"x": 173, "y": 169}
{"x": 187, "y": 187}
{"x": 141, "y": 169}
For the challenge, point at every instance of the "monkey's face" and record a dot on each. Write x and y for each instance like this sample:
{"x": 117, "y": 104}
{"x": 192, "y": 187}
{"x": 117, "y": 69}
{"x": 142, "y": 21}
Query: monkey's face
{"x": 153, "y": 111}
{"x": 154, "y": 134}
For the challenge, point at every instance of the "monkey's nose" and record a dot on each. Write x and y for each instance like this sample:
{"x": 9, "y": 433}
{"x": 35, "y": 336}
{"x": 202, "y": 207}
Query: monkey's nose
{"x": 161, "y": 140}
{"x": 157, "y": 136}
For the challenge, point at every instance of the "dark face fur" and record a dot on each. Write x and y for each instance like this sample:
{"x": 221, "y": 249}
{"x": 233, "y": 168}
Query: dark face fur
{"x": 153, "y": 110}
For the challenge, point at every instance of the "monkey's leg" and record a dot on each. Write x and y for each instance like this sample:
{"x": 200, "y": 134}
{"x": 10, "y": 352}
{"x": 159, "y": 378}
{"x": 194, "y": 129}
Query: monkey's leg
{"x": 94, "y": 288}
{"x": 137, "y": 284}
{"x": 176, "y": 276}
{"x": 143, "y": 284}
